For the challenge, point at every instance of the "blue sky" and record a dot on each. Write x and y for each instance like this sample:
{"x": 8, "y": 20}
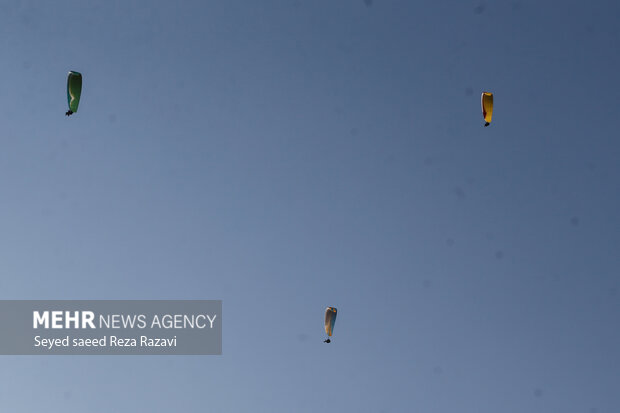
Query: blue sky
{"x": 284, "y": 156}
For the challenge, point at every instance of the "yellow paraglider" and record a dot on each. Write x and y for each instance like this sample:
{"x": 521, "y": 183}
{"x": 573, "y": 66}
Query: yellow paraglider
{"x": 487, "y": 107}
{"x": 330, "y": 320}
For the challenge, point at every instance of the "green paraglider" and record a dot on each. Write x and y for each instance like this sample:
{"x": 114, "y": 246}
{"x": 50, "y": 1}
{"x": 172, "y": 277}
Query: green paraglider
{"x": 74, "y": 90}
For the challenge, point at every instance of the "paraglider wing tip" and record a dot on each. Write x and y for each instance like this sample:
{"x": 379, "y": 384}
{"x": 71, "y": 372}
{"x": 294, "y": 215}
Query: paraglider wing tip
{"x": 486, "y": 124}
{"x": 69, "y": 113}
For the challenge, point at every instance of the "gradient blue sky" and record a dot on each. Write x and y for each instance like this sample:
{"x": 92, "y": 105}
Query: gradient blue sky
{"x": 289, "y": 155}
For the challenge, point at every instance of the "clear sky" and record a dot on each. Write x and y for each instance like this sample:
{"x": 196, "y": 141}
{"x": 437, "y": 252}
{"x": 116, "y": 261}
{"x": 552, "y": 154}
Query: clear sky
{"x": 284, "y": 156}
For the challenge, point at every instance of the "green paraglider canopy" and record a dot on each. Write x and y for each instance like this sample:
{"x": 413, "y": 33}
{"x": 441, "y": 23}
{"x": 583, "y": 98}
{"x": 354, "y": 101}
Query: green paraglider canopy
{"x": 74, "y": 90}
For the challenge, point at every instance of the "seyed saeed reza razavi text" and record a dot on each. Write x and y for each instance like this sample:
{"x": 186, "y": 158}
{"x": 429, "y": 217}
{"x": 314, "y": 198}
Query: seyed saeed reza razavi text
{"x": 142, "y": 341}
